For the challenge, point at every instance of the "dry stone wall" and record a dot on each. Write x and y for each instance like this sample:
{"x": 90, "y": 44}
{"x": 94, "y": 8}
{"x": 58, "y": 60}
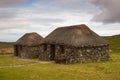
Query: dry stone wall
{"x": 75, "y": 55}
{"x": 30, "y": 52}
{"x": 45, "y": 54}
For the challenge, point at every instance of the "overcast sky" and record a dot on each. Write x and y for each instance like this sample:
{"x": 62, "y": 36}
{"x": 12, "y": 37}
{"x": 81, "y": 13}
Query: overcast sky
{"x": 18, "y": 17}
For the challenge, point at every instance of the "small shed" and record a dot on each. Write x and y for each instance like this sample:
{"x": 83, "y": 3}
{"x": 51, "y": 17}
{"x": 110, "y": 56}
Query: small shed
{"x": 72, "y": 44}
{"x": 28, "y": 46}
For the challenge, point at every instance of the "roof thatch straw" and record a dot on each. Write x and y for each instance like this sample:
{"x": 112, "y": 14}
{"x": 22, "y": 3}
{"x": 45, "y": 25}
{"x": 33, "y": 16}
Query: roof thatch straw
{"x": 76, "y": 35}
{"x": 29, "y": 39}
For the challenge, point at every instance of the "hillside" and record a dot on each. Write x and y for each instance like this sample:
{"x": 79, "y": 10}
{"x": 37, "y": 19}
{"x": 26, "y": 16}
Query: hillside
{"x": 114, "y": 42}
{"x": 6, "y": 47}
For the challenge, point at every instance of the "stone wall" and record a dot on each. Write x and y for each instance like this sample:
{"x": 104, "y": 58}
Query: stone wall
{"x": 29, "y": 52}
{"x": 45, "y": 54}
{"x": 74, "y": 55}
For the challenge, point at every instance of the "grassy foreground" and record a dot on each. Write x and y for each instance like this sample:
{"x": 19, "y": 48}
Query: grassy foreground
{"x": 109, "y": 70}
{"x": 9, "y": 60}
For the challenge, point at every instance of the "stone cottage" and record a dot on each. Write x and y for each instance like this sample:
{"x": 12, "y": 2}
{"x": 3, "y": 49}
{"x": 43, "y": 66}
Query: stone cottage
{"x": 72, "y": 44}
{"x": 28, "y": 46}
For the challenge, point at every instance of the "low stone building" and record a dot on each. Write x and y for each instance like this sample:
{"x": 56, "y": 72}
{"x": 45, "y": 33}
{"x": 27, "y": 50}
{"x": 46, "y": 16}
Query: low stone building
{"x": 28, "y": 46}
{"x": 72, "y": 44}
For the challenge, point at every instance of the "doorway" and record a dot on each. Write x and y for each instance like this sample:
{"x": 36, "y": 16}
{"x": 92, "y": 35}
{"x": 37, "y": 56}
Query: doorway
{"x": 52, "y": 52}
{"x": 16, "y": 50}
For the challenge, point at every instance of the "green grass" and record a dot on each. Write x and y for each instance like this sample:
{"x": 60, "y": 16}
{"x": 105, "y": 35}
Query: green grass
{"x": 114, "y": 42}
{"x": 107, "y": 70}
{"x": 9, "y": 60}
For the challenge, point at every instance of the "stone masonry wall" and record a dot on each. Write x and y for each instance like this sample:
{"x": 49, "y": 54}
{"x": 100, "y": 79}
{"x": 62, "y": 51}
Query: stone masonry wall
{"x": 74, "y": 55}
{"x": 30, "y": 52}
{"x": 45, "y": 54}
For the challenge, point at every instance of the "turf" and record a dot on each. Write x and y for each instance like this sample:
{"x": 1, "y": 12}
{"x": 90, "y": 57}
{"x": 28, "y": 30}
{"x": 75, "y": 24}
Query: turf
{"x": 109, "y": 70}
{"x": 9, "y": 60}
{"x": 114, "y": 42}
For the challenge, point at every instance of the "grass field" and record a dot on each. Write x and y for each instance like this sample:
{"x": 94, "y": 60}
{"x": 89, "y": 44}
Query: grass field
{"x": 114, "y": 42}
{"x": 9, "y": 60}
{"x": 108, "y": 70}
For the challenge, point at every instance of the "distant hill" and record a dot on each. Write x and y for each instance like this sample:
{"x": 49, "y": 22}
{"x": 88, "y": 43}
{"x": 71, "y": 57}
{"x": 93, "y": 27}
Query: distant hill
{"x": 114, "y": 42}
{"x": 6, "y": 47}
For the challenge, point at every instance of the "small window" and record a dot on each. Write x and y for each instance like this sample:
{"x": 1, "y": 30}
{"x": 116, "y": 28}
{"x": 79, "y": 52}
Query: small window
{"x": 62, "y": 50}
{"x": 21, "y": 47}
{"x": 45, "y": 47}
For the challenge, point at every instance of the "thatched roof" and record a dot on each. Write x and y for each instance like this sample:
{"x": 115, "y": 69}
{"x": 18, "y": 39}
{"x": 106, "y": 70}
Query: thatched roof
{"x": 76, "y": 35}
{"x": 29, "y": 39}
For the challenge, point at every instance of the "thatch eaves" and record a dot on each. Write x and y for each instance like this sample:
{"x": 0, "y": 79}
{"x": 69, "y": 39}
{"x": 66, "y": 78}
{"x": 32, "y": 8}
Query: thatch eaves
{"x": 76, "y": 35}
{"x": 29, "y": 39}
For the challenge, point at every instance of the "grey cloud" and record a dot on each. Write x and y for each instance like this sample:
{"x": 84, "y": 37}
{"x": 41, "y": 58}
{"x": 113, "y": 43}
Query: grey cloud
{"x": 30, "y": 24}
{"x": 46, "y": 20}
{"x": 109, "y": 11}
{"x": 105, "y": 30}
{"x": 10, "y": 37}
{"x": 7, "y": 25}
{"x": 7, "y": 13}
{"x": 45, "y": 15}
{"x": 6, "y": 3}
{"x": 27, "y": 15}
{"x": 12, "y": 13}
{"x": 65, "y": 5}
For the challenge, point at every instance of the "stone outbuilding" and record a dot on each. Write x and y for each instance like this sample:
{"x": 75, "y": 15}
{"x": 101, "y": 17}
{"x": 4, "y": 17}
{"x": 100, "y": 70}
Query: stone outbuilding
{"x": 72, "y": 44}
{"x": 28, "y": 46}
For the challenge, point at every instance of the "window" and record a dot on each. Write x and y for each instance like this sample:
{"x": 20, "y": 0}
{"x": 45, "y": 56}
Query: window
{"x": 62, "y": 50}
{"x": 21, "y": 47}
{"x": 45, "y": 47}
{"x": 16, "y": 50}
{"x": 52, "y": 52}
